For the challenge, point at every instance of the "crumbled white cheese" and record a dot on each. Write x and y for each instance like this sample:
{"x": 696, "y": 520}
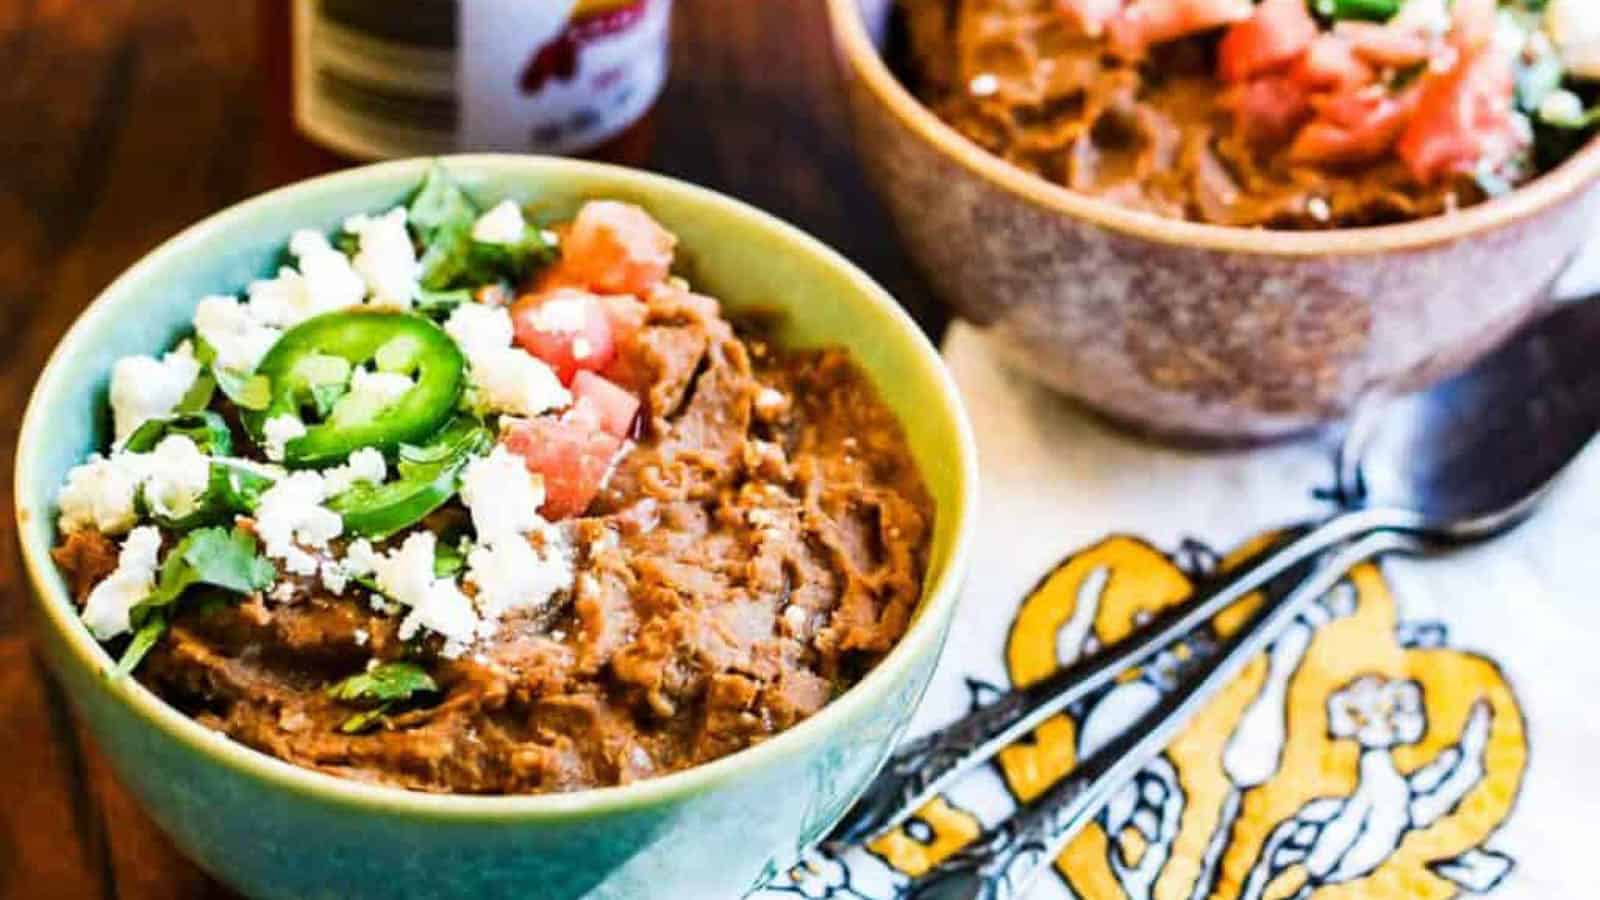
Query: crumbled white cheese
{"x": 770, "y": 401}
{"x": 795, "y": 616}
{"x": 984, "y": 85}
{"x": 106, "y": 611}
{"x": 144, "y": 388}
{"x": 99, "y": 494}
{"x": 377, "y": 390}
{"x": 239, "y": 340}
{"x": 365, "y": 465}
{"x": 1561, "y": 107}
{"x": 276, "y": 301}
{"x": 290, "y": 514}
{"x": 511, "y": 575}
{"x": 504, "y": 378}
{"x": 1510, "y": 34}
{"x": 334, "y": 577}
{"x": 360, "y": 636}
{"x": 174, "y": 475}
{"x": 764, "y": 519}
{"x": 325, "y": 282}
{"x": 1429, "y": 16}
{"x": 504, "y": 499}
{"x": 278, "y": 431}
{"x": 282, "y": 592}
{"x": 437, "y": 604}
{"x": 503, "y": 496}
{"x": 507, "y": 380}
{"x": 386, "y": 259}
{"x": 331, "y": 281}
{"x": 502, "y": 225}
{"x": 359, "y": 557}
{"x": 479, "y": 329}
{"x": 565, "y": 312}
{"x": 1574, "y": 27}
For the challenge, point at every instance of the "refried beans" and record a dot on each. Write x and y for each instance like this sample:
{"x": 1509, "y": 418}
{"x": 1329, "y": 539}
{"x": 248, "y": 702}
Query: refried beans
{"x": 1272, "y": 114}
{"x": 756, "y": 546}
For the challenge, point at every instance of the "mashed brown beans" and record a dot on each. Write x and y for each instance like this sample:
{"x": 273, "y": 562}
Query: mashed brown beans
{"x": 1157, "y": 134}
{"x": 753, "y": 555}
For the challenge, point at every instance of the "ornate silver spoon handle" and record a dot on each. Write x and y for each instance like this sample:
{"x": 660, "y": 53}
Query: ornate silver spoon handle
{"x": 1005, "y": 860}
{"x": 928, "y": 765}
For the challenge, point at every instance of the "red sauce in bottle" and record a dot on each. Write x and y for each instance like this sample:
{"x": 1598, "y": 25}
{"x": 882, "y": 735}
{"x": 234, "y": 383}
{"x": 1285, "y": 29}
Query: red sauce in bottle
{"x": 356, "y": 80}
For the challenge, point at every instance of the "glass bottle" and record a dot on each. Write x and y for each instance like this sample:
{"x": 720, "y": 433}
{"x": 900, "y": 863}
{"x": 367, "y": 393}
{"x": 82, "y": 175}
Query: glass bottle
{"x": 358, "y": 80}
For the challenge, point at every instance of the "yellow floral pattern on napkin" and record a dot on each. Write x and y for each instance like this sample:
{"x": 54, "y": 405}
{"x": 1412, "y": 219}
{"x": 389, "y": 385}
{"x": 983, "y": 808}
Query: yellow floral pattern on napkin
{"x": 1358, "y": 757}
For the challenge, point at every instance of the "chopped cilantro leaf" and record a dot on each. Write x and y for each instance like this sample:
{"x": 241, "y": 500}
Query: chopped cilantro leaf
{"x": 443, "y": 216}
{"x": 380, "y": 688}
{"x": 440, "y": 204}
{"x": 144, "y": 639}
{"x": 213, "y": 557}
{"x": 384, "y": 683}
{"x": 366, "y": 720}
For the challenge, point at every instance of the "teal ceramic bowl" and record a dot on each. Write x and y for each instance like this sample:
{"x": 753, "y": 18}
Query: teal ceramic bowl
{"x": 272, "y": 830}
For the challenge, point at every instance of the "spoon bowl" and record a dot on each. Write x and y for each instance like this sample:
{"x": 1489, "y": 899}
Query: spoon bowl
{"x": 1463, "y": 462}
{"x": 1477, "y": 453}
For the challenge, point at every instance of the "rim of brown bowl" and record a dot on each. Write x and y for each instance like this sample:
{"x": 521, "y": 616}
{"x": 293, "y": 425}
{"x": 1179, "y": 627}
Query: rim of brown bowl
{"x": 851, "y": 40}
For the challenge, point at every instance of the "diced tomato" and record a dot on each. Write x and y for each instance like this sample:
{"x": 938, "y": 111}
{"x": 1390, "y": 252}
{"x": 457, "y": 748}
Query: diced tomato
{"x": 1277, "y": 32}
{"x": 1353, "y": 127}
{"x": 1269, "y": 109}
{"x": 1331, "y": 63}
{"x": 613, "y": 248}
{"x": 569, "y": 453}
{"x": 1089, "y": 16}
{"x": 1388, "y": 46}
{"x": 567, "y": 328}
{"x": 626, "y": 315}
{"x": 1144, "y": 23}
{"x": 627, "y": 367}
{"x": 1464, "y": 117}
{"x": 613, "y": 406}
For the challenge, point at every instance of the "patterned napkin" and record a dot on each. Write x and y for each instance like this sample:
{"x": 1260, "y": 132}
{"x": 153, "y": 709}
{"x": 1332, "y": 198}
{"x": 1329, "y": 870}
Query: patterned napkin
{"x": 1425, "y": 732}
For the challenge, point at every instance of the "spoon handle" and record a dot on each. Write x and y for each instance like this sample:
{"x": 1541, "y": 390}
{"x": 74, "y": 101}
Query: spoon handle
{"x": 926, "y": 766}
{"x": 1004, "y": 861}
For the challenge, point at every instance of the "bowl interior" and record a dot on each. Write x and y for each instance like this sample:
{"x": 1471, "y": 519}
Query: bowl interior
{"x": 743, "y": 257}
{"x": 872, "y": 47}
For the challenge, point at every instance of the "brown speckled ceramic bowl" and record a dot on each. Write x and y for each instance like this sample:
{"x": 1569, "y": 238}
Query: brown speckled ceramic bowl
{"x": 1193, "y": 331}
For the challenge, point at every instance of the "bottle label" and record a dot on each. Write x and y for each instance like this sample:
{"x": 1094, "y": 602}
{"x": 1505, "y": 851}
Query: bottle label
{"x": 550, "y": 76}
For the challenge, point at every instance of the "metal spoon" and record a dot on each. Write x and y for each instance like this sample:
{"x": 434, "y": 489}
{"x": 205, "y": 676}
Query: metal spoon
{"x": 1461, "y": 463}
{"x": 1464, "y": 462}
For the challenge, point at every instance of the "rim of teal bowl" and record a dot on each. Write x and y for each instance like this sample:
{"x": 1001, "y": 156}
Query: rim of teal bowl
{"x": 921, "y": 637}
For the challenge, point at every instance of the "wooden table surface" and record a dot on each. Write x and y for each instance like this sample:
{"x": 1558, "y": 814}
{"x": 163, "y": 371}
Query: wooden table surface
{"x": 126, "y": 120}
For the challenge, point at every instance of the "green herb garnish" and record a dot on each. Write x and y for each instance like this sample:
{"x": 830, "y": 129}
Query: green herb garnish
{"x": 440, "y": 205}
{"x": 208, "y": 430}
{"x": 380, "y": 688}
{"x": 442, "y": 215}
{"x": 215, "y": 557}
{"x": 252, "y": 392}
{"x": 1362, "y": 10}
{"x": 198, "y": 397}
{"x": 425, "y": 479}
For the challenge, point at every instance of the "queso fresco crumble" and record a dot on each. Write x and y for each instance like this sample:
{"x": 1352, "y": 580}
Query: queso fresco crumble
{"x": 457, "y": 501}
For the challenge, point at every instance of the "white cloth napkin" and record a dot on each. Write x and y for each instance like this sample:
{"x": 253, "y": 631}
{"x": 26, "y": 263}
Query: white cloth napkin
{"x": 1427, "y": 732}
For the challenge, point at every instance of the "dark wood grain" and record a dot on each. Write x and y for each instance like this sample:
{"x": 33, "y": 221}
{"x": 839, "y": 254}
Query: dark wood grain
{"x": 126, "y": 120}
